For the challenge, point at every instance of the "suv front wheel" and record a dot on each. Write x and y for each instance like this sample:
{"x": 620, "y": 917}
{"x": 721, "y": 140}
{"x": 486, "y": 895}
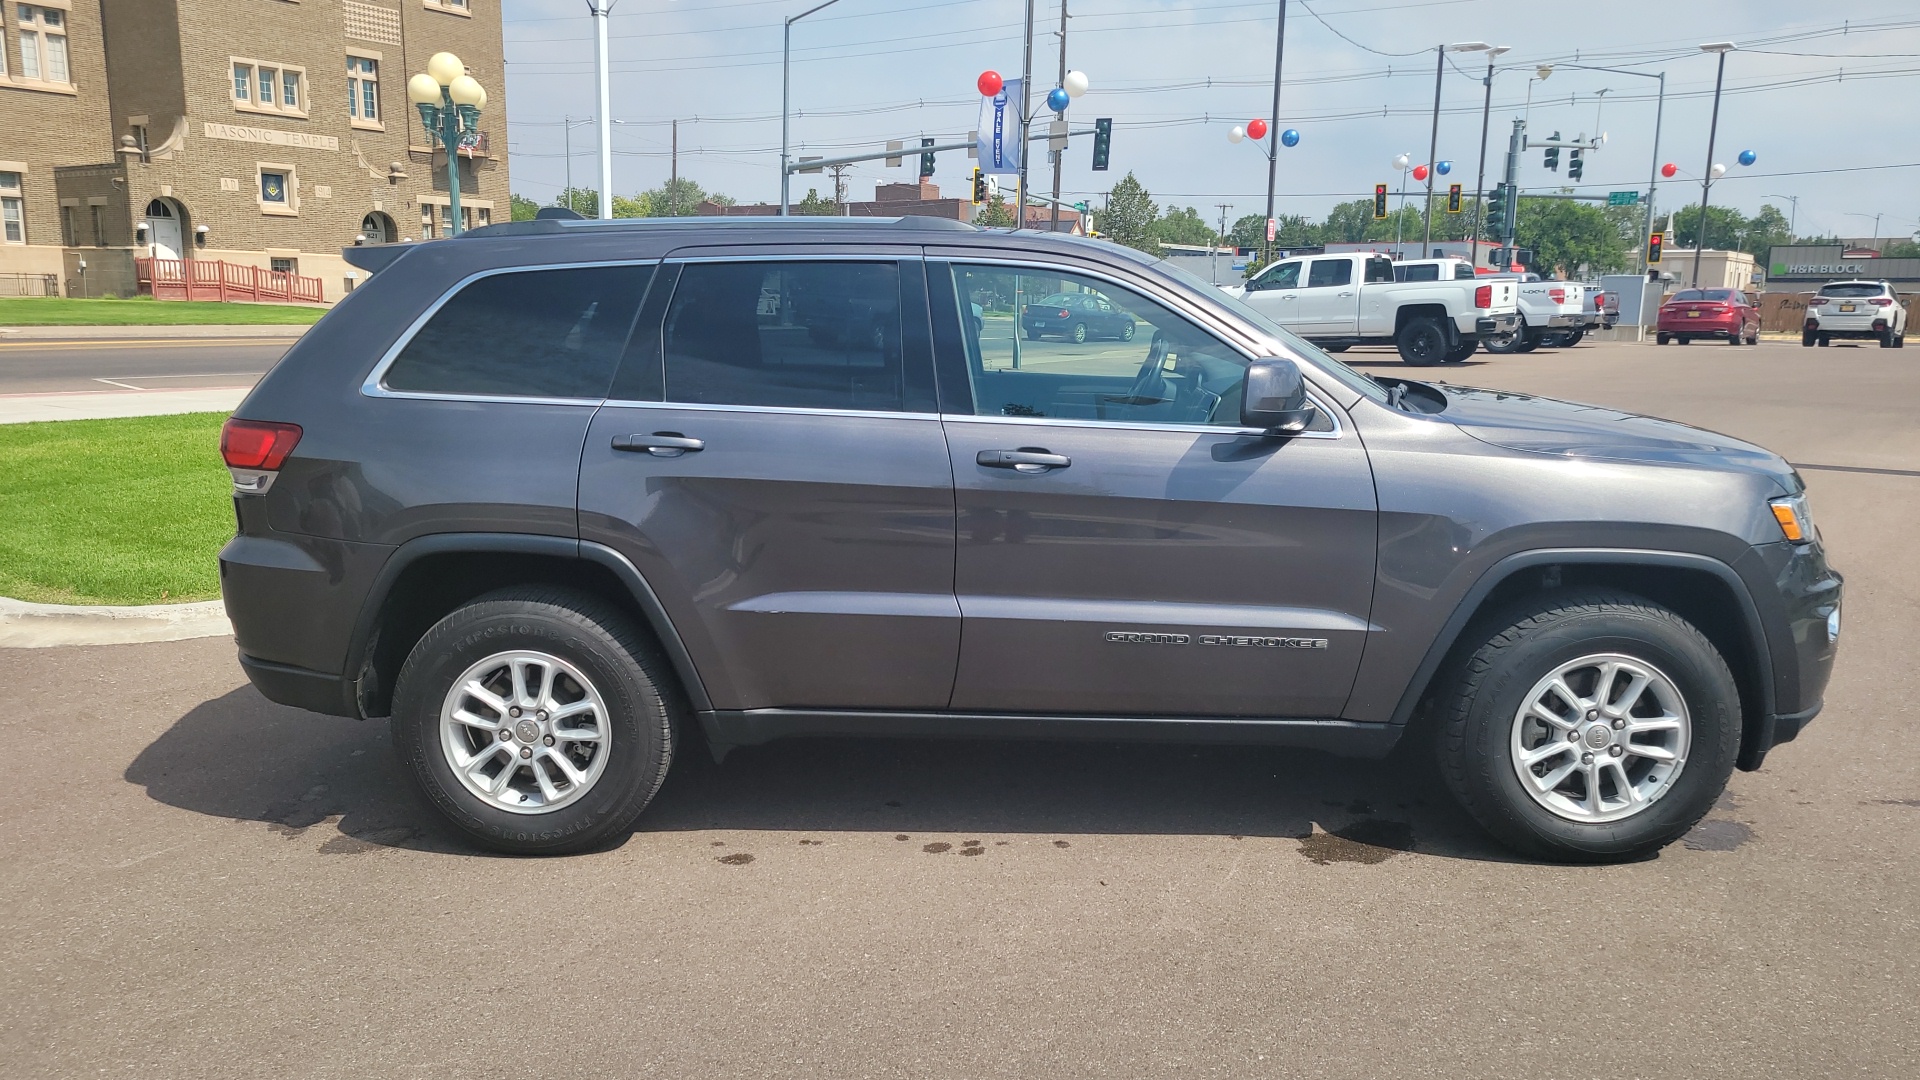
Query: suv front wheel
{"x": 1594, "y": 727}
{"x": 537, "y": 720}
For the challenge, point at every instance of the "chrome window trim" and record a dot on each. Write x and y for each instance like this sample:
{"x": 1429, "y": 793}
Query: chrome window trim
{"x": 375, "y": 382}
{"x": 1339, "y": 428}
{"x": 784, "y": 410}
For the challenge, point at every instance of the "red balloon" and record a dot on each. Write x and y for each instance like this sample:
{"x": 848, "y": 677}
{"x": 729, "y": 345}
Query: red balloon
{"x": 1256, "y": 129}
{"x": 990, "y": 83}
{"x": 1669, "y": 169}
{"x": 1419, "y": 172}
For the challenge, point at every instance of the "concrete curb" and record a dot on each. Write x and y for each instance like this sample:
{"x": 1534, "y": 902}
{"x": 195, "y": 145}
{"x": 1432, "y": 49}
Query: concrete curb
{"x": 43, "y": 626}
{"x": 109, "y": 334}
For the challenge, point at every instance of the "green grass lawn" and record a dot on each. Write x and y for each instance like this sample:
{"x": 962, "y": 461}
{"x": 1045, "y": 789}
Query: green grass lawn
{"x": 113, "y": 511}
{"x": 146, "y": 311}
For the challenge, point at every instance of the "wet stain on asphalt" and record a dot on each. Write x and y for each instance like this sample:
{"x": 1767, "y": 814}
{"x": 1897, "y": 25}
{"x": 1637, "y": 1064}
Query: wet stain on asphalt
{"x": 1061, "y": 843}
{"x": 901, "y": 836}
{"x": 738, "y": 858}
{"x": 937, "y": 847}
{"x": 1718, "y": 834}
{"x": 1366, "y": 842}
{"x": 973, "y": 847}
{"x": 811, "y": 843}
{"x": 1898, "y": 802}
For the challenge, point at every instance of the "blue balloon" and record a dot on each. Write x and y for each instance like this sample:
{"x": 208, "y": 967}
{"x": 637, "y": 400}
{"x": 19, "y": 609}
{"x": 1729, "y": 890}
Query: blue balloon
{"x": 1748, "y": 157}
{"x": 1290, "y": 137}
{"x": 1444, "y": 167}
{"x": 1058, "y": 99}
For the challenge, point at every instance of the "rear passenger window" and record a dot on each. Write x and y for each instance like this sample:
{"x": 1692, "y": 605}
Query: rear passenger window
{"x": 1421, "y": 272}
{"x": 534, "y": 333}
{"x": 1326, "y": 273}
{"x": 812, "y": 335}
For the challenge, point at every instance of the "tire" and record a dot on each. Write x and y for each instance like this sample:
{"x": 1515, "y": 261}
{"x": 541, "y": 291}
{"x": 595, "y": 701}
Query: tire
{"x": 1900, "y": 341}
{"x": 1482, "y": 727}
{"x": 1806, "y": 339}
{"x": 1824, "y": 341}
{"x": 1422, "y": 343}
{"x": 1078, "y": 333}
{"x": 1127, "y": 331}
{"x": 1527, "y": 343}
{"x": 1459, "y": 353}
{"x": 1502, "y": 344}
{"x": 1663, "y": 338}
{"x": 1033, "y": 335}
{"x": 1685, "y": 339}
{"x": 1734, "y": 338}
{"x": 630, "y": 695}
{"x": 1573, "y": 339}
{"x": 1886, "y": 338}
{"x": 1335, "y": 348}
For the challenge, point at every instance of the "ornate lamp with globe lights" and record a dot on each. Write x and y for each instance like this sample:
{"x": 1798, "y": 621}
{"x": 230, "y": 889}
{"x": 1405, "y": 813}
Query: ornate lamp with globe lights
{"x": 449, "y": 101}
{"x": 1257, "y": 130}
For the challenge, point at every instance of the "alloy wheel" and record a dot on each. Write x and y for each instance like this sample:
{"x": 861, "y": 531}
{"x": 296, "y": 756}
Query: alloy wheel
{"x": 525, "y": 732}
{"x": 1600, "y": 738}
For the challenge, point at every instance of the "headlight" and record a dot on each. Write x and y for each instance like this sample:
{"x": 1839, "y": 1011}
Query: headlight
{"x": 1794, "y": 518}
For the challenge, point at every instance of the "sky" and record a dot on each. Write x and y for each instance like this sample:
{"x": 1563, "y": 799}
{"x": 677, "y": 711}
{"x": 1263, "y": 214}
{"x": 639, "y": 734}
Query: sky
{"x": 1828, "y": 99}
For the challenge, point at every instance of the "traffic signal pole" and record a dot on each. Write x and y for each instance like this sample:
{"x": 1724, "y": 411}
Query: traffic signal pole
{"x": 1273, "y": 126}
{"x": 1480, "y": 182}
{"x": 1516, "y": 146}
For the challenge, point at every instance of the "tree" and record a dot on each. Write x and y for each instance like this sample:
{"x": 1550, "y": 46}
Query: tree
{"x": 1725, "y": 227}
{"x": 816, "y": 205}
{"x": 1130, "y": 216}
{"x": 583, "y": 201}
{"x": 679, "y": 197}
{"x": 1183, "y": 225}
{"x": 1900, "y": 249}
{"x": 1764, "y": 231}
{"x": 1249, "y": 231}
{"x": 636, "y": 206}
{"x": 523, "y": 208}
{"x": 996, "y": 213}
{"x": 1570, "y": 238}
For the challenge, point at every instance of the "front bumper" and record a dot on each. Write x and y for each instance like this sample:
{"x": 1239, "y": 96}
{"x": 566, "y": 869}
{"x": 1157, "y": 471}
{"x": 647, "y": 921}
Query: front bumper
{"x": 1803, "y": 640}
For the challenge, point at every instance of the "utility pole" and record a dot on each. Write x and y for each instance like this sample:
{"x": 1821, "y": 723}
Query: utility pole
{"x": 1516, "y": 146}
{"x": 1273, "y": 124}
{"x": 568, "y": 122}
{"x": 1213, "y": 265}
{"x": 840, "y": 188}
{"x": 1053, "y": 223}
{"x": 1433, "y": 148}
{"x": 673, "y": 174}
{"x": 1706, "y": 179}
{"x": 1026, "y": 118}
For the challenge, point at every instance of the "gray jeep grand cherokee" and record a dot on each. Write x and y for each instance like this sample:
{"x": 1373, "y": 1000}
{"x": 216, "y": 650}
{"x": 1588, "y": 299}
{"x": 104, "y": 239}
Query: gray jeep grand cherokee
{"x": 560, "y": 497}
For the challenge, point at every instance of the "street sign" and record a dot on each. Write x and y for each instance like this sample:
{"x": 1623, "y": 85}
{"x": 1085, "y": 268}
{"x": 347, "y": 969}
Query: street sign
{"x": 893, "y": 160}
{"x": 1272, "y": 226}
{"x": 1623, "y": 198}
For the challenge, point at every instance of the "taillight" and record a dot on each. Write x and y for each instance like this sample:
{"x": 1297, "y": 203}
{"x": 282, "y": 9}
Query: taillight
{"x": 1064, "y": 313}
{"x": 1483, "y": 296}
{"x": 1816, "y": 301}
{"x": 1558, "y": 296}
{"x": 1880, "y": 301}
{"x": 254, "y": 451}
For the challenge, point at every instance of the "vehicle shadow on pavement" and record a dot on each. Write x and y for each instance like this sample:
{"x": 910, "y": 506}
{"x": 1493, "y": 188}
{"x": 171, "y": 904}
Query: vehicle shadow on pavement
{"x": 241, "y": 757}
{"x": 1398, "y": 363}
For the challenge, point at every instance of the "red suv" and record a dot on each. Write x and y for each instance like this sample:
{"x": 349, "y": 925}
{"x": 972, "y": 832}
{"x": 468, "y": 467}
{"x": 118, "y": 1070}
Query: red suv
{"x": 1714, "y": 313}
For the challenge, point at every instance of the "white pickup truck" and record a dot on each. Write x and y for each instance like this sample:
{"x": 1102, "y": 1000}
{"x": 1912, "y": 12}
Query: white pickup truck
{"x": 1551, "y": 313}
{"x": 1337, "y": 301}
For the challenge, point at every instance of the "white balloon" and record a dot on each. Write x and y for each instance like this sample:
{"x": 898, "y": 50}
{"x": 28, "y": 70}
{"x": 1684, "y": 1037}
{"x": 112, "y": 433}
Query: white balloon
{"x": 1236, "y": 133}
{"x": 1401, "y": 162}
{"x": 1719, "y": 171}
{"x": 1075, "y": 83}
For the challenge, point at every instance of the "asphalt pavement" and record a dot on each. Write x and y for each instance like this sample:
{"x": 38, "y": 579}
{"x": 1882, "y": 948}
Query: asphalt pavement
{"x": 82, "y": 378}
{"x": 194, "y": 882}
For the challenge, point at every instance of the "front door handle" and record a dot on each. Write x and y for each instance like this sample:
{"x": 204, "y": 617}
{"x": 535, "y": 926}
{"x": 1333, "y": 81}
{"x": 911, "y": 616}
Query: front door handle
{"x": 659, "y": 444}
{"x": 1026, "y": 459}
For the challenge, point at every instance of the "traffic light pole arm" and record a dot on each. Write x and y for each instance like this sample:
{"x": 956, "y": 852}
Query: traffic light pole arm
{"x": 905, "y": 151}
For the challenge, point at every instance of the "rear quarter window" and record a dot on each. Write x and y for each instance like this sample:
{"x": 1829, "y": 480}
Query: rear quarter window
{"x": 528, "y": 333}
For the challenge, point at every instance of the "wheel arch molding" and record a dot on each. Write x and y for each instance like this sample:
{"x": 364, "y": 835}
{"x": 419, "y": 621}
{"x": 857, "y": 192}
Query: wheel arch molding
{"x": 1737, "y": 630}
{"x": 429, "y": 576}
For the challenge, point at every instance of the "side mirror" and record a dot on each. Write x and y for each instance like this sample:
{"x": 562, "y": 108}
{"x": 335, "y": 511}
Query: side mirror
{"x": 1274, "y": 398}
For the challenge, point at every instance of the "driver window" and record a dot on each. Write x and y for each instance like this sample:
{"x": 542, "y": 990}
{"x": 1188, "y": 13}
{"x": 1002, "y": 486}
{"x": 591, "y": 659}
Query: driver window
{"x": 1284, "y": 276}
{"x": 1058, "y": 345}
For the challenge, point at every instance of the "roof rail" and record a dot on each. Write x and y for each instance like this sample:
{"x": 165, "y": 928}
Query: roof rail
{"x": 555, "y": 224}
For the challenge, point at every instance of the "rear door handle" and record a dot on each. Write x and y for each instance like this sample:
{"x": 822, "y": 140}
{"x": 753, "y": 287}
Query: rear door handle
{"x": 1027, "y": 460}
{"x": 659, "y": 444}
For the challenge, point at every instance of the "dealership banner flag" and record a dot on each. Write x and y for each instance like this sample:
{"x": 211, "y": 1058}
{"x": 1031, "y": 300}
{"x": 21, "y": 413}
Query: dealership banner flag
{"x": 1000, "y": 144}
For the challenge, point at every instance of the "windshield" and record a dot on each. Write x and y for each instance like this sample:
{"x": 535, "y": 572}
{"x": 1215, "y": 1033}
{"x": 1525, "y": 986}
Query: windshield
{"x": 1353, "y": 380}
{"x": 1703, "y": 294}
{"x": 1855, "y": 288}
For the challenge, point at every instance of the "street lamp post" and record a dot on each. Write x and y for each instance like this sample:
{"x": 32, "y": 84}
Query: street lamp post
{"x": 1876, "y": 221}
{"x": 1433, "y": 141}
{"x": 1480, "y": 184}
{"x": 1713, "y": 131}
{"x": 1793, "y": 215}
{"x": 602, "y": 11}
{"x": 449, "y": 101}
{"x": 1659, "y": 117}
{"x": 786, "y": 51}
{"x": 1273, "y": 122}
{"x": 1403, "y": 163}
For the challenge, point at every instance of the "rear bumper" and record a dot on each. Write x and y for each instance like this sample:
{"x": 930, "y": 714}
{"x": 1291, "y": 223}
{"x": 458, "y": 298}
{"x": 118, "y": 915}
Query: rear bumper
{"x": 1564, "y": 322}
{"x": 1849, "y": 327}
{"x": 1698, "y": 327}
{"x": 315, "y": 691}
{"x": 1487, "y": 325}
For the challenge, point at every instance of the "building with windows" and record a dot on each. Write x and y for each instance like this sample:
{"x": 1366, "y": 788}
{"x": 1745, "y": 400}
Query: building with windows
{"x": 137, "y": 136}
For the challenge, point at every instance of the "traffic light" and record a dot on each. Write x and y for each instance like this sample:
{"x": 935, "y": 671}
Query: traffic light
{"x": 979, "y": 188}
{"x": 1553, "y": 154}
{"x": 1575, "y": 166}
{"x": 1102, "y": 143}
{"x": 1453, "y": 198}
{"x": 1379, "y": 201}
{"x": 1497, "y": 212}
{"x": 926, "y": 160}
{"x": 1655, "y": 242}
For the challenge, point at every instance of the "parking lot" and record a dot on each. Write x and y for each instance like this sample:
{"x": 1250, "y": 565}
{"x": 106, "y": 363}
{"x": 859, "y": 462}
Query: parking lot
{"x": 199, "y": 883}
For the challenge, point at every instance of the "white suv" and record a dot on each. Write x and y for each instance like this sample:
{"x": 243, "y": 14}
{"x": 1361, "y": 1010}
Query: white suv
{"x": 1855, "y": 309}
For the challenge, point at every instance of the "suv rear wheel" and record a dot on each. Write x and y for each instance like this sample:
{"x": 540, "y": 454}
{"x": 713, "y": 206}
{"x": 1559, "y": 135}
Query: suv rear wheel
{"x": 1592, "y": 727}
{"x": 536, "y": 719}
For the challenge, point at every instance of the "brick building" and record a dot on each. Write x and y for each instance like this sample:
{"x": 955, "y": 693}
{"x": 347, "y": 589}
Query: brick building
{"x": 259, "y": 133}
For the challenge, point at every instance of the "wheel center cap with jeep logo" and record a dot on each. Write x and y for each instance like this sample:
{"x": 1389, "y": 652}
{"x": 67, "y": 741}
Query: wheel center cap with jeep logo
{"x": 527, "y": 731}
{"x": 1599, "y": 736}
